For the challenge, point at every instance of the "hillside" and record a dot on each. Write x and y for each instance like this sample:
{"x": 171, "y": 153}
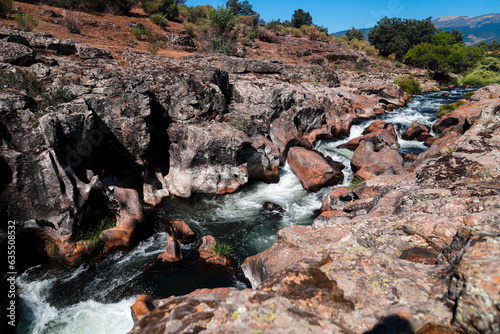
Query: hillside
{"x": 484, "y": 28}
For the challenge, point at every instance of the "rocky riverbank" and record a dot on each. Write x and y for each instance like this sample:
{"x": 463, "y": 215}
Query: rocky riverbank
{"x": 88, "y": 139}
{"x": 411, "y": 251}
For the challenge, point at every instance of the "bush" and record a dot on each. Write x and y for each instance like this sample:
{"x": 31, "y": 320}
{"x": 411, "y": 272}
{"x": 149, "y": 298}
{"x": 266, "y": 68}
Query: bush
{"x": 27, "y": 22}
{"x": 167, "y": 8}
{"x": 361, "y": 65}
{"x": 409, "y": 85}
{"x": 59, "y": 95}
{"x": 399, "y": 65}
{"x": 190, "y": 28}
{"x": 223, "y": 249}
{"x": 223, "y": 45}
{"x": 73, "y": 22}
{"x": 159, "y": 20}
{"x": 266, "y": 36}
{"x": 222, "y": 20}
{"x": 481, "y": 77}
{"x": 194, "y": 14}
{"x": 446, "y": 108}
{"x": 5, "y": 7}
{"x": 140, "y": 31}
{"x": 355, "y": 34}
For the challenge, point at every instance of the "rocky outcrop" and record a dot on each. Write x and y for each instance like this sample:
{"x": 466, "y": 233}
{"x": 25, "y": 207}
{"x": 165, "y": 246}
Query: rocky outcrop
{"x": 313, "y": 171}
{"x": 460, "y": 119}
{"x": 418, "y": 252}
{"x": 16, "y": 54}
{"x": 416, "y": 244}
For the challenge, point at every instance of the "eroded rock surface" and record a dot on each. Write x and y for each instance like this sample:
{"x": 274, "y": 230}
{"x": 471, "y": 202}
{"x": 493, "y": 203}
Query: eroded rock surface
{"x": 414, "y": 252}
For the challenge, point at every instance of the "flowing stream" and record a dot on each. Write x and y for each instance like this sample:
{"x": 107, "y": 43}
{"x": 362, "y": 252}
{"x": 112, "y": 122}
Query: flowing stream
{"x": 96, "y": 297}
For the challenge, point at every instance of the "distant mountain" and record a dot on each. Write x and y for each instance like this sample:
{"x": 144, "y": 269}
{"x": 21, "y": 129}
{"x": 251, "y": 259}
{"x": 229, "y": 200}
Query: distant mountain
{"x": 484, "y": 28}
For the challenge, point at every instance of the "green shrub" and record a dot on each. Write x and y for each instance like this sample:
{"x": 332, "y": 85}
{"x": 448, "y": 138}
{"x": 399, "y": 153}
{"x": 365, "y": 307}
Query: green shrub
{"x": 446, "y": 108}
{"x": 159, "y": 20}
{"x": 361, "y": 65}
{"x": 481, "y": 77}
{"x": 223, "y": 249}
{"x": 5, "y": 7}
{"x": 167, "y": 8}
{"x": 140, "y": 31}
{"x": 399, "y": 65}
{"x": 194, "y": 14}
{"x": 223, "y": 45}
{"x": 222, "y": 20}
{"x": 409, "y": 85}
{"x": 252, "y": 35}
{"x": 27, "y": 22}
{"x": 190, "y": 28}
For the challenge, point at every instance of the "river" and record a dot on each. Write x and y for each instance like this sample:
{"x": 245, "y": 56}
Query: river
{"x": 96, "y": 297}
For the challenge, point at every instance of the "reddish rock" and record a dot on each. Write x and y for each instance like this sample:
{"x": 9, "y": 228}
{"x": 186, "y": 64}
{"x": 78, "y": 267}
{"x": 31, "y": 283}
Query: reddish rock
{"x": 460, "y": 119}
{"x": 207, "y": 247}
{"x": 366, "y": 107}
{"x": 384, "y": 137}
{"x": 487, "y": 92}
{"x": 429, "y": 141}
{"x": 376, "y": 125}
{"x": 409, "y": 157}
{"x": 387, "y": 94}
{"x": 209, "y": 255}
{"x": 414, "y": 130}
{"x": 367, "y": 154}
{"x": 367, "y": 171}
{"x": 424, "y": 136}
{"x": 313, "y": 171}
{"x": 131, "y": 214}
{"x": 142, "y": 306}
{"x": 284, "y": 134}
{"x": 337, "y": 199}
{"x": 179, "y": 230}
{"x": 172, "y": 251}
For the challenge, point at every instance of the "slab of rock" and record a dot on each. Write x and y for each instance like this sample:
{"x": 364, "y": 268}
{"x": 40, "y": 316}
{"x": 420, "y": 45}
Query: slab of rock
{"x": 16, "y": 54}
{"x": 414, "y": 131}
{"x": 367, "y": 154}
{"x": 313, "y": 171}
{"x": 172, "y": 251}
{"x": 179, "y": 230}
{"x": 337, "y": 199}
{"x": 381, "y": 138}
{"x": 85, "y": 51}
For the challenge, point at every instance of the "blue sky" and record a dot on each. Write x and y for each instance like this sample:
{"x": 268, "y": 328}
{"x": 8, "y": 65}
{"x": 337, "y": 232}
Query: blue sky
{"x": 344, "y": 14}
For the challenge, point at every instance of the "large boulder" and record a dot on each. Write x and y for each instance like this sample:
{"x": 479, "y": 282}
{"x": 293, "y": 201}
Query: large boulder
{"x": 415, "y": 130}
{"x": 369, "y": 153}
{"x": 205, "y": 158}
{"x": 460, "y": 119}
{"x": 16, "y": 54}
{"x": 313, "y": 171}
{"x": 381, "y": 138}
